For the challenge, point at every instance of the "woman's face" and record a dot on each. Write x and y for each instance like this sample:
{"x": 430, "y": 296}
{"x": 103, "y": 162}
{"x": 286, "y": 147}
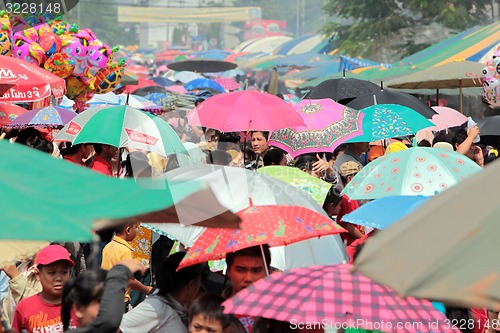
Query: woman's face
{"x": 259, "y": 143}
{"x": 87, "y": 314}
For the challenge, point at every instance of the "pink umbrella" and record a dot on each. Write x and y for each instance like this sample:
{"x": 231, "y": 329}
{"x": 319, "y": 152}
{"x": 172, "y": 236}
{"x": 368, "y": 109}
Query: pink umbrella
{"x": 244, "y": 111}
{"x": 177, "y": 88}
{"x": 228, "y": 83}
{"x": 327, "y": 125}
{"x": 446, "y": 117}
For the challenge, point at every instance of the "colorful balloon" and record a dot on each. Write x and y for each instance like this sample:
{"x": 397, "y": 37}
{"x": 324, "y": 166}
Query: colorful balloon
{"x": 108, "y": 78}
{"x": 74, "y": 87}
{"x": 491, "y": 80}
{"x": 28, "y": 50}
{"x": 50, "y": 43}
{"x": 59, "y": 64}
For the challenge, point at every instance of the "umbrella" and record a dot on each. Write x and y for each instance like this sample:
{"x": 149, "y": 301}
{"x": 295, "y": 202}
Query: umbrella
{"x": 273, "y": 225}
{"x": 246, "y": 110}
{"x": 375, "y": 214}
{"x": 149, "y": 90}
{"x": 415, "y": 171}
{"x": 203, "y": 83}
{"x": 235, "y": 187}
{"x": 460, "y": 228}
{"x": 342, "y": 89}
{"x": 123, "y": 126}
{"x": 456, "y": 74}
{"x": 334, "y": 296}
{"x": 202, "y": 66}
{"x": 327, "y": 125}
{"x": 392, "y": 97}
{"x": 28, "y": 83}
{"x": 49, "y": 116}
{"x": 129, "y": 79}
{"x": 44, "y": 198}
{"x": 157, "y": 98}
{"x": 186, "y": 76}
{"x": 177, "y": 89}
{"x": 446, "y": 117}
{"x": 490, "y": 130}
{"x": 315, "y": 187}
{"x": 138, "y": 70}
{"x": 142, "y": 83}
{"x": 9, "y": 112}
{"x": 162, "y": 81}
{"x": 228, "y": 83}
{"x": 13, "y": 251}
{"x": 385, "y": 121}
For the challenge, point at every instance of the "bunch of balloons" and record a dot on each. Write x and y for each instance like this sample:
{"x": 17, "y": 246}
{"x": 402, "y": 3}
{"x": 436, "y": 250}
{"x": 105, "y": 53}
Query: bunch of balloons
{"x": 491, "y": 80}
{"x": 74, "y": 54}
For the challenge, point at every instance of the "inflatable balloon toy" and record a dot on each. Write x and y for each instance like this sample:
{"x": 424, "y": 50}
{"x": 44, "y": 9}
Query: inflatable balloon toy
{"x": 58, "y": 25}
{"x": 5, "y": 34}
{"x": 75, "y": 87}
{"x": 27, "y": 50}
{"x": 491, "y": 80}
{"x": 77, "y": 50}
{"x": 59, "y": 64}
{"x": 109, "y": 77}
{"x": 99, "y": 57}
{"x": 50, "y": 43}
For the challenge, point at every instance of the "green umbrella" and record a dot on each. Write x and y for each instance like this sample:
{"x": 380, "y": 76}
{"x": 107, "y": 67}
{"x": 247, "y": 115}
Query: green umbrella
{"x": 44, "y": 198}
{"x": 123, "y": 126}
{"x": 313, "y": 186}
{"x": 414, "y": 171}
{"x": 386, "y": 121}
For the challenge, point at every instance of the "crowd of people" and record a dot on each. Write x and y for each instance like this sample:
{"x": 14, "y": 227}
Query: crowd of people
{"x": 103, "y": 288}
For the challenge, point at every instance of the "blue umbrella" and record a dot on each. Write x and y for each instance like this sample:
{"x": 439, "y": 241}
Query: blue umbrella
{"x": 381, "y": 213}
{"x": 162, "y": 81}
{"x": 203, "y": 83}
{"x": 157, "y": 98}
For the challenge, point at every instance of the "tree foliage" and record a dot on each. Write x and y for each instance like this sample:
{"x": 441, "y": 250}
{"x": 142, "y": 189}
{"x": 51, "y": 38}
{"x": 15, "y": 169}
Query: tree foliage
{"x": 366, "y": 25}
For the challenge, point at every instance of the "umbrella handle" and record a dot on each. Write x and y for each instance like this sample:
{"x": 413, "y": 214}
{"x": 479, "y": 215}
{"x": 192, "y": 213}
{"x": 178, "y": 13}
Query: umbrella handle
{"x": 264, "y": 259}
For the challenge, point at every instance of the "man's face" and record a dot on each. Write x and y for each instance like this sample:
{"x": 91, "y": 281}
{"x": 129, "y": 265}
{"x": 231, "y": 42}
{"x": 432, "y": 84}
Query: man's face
{"x": 53, "y": 277}
{"x": 112, "y": 152}
{"x": 244, "y": 271}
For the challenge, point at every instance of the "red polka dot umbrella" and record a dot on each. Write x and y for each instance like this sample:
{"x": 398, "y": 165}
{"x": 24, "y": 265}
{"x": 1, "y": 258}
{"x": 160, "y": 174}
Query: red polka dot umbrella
{"x": 273, "y": 225}
{"x": 415, "y": 171}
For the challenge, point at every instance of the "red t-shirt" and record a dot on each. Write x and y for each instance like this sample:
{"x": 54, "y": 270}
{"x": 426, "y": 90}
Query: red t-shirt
{"x": 37, "y": 316}
{"x": 71, "y": 159}
{"x": 346, "y": 206}
{"x": 99, "y": 164}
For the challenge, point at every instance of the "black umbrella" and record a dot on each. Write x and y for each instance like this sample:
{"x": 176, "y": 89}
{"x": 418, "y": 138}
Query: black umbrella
{"x": 149, "y": 90}
{"x": 490, "y": 130}
{"x": 128, "y": 80}
{"x": 202, "y": 66}
{"x": 392, "y": 97}
{"x": 342, "y": 90}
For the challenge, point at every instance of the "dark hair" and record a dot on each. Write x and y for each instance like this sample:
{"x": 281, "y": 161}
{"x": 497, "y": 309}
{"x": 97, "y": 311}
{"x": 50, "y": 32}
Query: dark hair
{"x": 442, "y": 136}
{"x": 342, "y": 147}
{"x": 253, "y": 251}
{"x": 138, "y": 161}
{"x": 332, "y": 197}
{"x": 122, "y": 226}
{"x": 68, "y": 149}
{"x": 273, "y": 156}
{"x": 169, "y": 279}
{"x": 424, "y": 143}
{"x": 247, "y": 150}
{"x": 40, "y": 144}
{"x": 27, "y": 133}
{"x": 98, "y": 148}
{"x": 210, "y": 306}
{"x": 219, "y": 157}
{"x": 232, "y": 137}
{"x": 266, "y": 325}
{"x": 459, "y": 137}
{"x": 85, "y": 288}
{"x": 306, "y": 161}
{"x": 264, "y": 134}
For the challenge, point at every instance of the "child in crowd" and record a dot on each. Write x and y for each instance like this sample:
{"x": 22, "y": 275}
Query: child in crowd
{"x": 42, "y": 312}
{"x": 119, "y": 249}
{"x": 206, "y": 315}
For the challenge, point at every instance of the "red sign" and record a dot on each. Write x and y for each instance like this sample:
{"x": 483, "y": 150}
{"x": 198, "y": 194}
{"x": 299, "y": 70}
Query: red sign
{"x": 139, "y": 137}
{"x": 73, "y": 128}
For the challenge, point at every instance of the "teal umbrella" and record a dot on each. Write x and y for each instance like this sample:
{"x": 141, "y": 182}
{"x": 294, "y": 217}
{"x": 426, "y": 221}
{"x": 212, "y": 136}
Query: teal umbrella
{"x": 123, "y": 126}
{"x": 44, "y": 198}
{"x": 385, "y": 121}
{"x": 415, "y": 171}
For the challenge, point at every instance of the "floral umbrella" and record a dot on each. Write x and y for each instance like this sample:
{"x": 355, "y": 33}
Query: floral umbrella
{"x": 273, "y": 225}
{"x": 327, "y": 124}
{"x": 49, "y": 116}
{"x": 415, "y": 171}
